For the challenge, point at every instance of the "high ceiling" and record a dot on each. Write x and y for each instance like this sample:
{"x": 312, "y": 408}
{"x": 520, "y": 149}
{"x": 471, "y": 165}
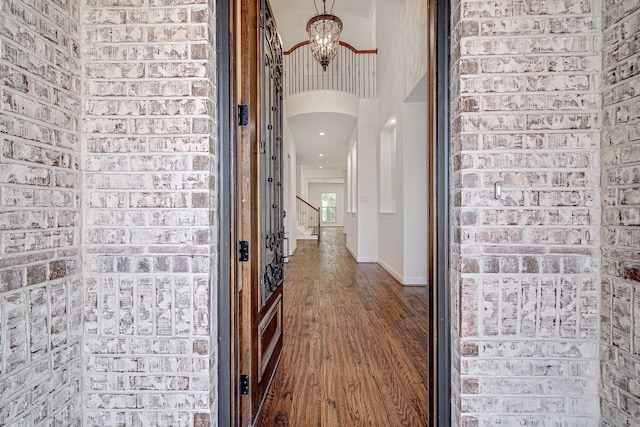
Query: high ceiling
{"x": 322, "y": 138}
{"x": 356, "y": 15}
{"x": 291, "y": 17}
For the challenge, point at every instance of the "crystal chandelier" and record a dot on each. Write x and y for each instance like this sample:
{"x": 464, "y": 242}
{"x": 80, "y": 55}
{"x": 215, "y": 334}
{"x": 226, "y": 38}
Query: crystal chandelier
{"x": 324, "y": 34}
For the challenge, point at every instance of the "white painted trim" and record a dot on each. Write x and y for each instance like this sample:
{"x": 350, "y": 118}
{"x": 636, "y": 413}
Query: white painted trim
{"x": 316, "y": 101}
{"x": 415, "y": 281}
{"x": 404, "y": 281}
{"x": 360, "y": 259}
{"x": 352, "y": 252}
{"x": 390, "y": 270}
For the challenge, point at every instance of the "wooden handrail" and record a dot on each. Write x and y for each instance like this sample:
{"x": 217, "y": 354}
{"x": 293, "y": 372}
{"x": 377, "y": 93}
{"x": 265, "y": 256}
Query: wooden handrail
{"x": 345, "y": 44}
{"x": 305, "y": 211}
{"x": 308, "y": 204}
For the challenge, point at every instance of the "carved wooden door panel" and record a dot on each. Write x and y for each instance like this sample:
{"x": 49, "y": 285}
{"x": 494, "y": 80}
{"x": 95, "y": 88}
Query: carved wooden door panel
{"x": 261, "y": 200}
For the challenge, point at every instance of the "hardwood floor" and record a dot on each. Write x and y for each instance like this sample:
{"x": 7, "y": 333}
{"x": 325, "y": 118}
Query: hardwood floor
{"x": 355, "y": 344}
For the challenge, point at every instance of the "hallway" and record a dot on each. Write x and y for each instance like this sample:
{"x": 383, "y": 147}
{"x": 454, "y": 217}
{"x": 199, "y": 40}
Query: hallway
{"x": 354, "y": 344}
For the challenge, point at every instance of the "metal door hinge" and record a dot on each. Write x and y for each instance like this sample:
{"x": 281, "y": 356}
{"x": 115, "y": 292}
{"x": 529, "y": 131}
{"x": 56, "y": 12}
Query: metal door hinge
{"x": 243, "y": 115}
{"x": 244, "y": 385}
{"x": 244, "y": 251}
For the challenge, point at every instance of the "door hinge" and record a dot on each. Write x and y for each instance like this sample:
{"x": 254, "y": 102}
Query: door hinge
{"x": 243, "y": 115}
{"x": 244, "y": 385}
{"x": 244, "y": 251}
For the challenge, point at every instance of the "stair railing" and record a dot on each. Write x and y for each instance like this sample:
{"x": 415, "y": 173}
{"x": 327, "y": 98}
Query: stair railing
{"x": 308, "y": 216}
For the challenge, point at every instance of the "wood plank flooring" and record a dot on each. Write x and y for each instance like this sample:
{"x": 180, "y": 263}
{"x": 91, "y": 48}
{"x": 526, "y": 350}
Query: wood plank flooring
{"x": 355, "y": 344}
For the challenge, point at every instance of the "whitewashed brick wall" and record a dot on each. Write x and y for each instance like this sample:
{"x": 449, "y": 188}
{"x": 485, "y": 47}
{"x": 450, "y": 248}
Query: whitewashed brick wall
{"x": 525, "y": 112}
{"x": 150, "y": 232}
{"x": 40, "y": 280}
{"x": 620, "y": 328}
{"x": 214, "y": 228}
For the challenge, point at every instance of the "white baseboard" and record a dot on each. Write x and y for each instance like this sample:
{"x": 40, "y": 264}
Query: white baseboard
{"x": 415, "y": 281}
{"x": 404, "y": 281}
{"x": 390, "y": 270}
{"x": 351, "y": 251}
{"x": 360, "y": 259}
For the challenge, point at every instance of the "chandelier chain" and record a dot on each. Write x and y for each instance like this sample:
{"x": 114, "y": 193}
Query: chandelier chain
{"x": 324, "y": 7}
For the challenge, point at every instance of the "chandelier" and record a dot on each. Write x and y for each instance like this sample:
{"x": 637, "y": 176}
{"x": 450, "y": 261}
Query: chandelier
{"x": 324, "y": 34}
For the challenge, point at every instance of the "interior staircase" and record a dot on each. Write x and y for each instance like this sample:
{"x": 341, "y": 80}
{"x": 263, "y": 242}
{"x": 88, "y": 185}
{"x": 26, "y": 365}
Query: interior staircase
{"x": 305, "y": 233}
{"x": 307, "y": 220}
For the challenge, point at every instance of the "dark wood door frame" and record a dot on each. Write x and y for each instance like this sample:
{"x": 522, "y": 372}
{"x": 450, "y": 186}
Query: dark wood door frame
{"x": 439, "y": 310}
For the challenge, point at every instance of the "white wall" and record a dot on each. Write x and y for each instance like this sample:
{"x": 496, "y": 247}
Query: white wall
{"x": 402, "y": 34}
{"x": 315, "y": 197}
{"x": 351, "y": 217}
{"x": 367, "y": 177}
{"x": 311, "y": 175}
{"x": 387, "y": 172}
{"x": 390, "y": 218}
{"x": 351, "y": 230}
{"x": 302, "y": 188}
{"x": 415, "y": 212}
{"x": 290, "y": 187}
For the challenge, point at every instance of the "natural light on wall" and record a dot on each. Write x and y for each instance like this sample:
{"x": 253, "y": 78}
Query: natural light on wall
{"x": 387, "y": 166}
{"x": 352, "y": 179}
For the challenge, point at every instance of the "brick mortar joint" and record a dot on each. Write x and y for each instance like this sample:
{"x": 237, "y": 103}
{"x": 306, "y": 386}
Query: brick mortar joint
{"x": 50, "y": 22}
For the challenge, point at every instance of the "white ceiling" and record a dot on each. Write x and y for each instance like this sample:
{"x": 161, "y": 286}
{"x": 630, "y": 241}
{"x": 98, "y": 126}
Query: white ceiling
{"x": 357, "y": 7}
{"x": 291, "y": 17}
{"x": 306, "y": 129}
{"x": 356, "y": 15}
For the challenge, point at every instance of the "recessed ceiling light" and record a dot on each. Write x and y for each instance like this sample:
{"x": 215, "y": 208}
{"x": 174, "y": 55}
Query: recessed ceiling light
{"x": 321, "y": 155}
{"x": 321, "y": 133}
{"x": 320, "y": 167}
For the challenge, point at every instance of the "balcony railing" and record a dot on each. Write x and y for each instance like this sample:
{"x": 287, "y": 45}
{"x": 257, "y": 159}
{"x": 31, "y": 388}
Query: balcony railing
{"x": 352, "y": 71}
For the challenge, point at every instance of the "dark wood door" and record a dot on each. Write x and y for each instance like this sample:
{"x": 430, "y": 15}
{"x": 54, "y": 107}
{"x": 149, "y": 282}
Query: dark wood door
{"x": 260, "y": 198}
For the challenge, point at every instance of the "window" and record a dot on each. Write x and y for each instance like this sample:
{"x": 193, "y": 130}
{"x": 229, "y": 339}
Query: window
{"x": 329, "y": 207}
